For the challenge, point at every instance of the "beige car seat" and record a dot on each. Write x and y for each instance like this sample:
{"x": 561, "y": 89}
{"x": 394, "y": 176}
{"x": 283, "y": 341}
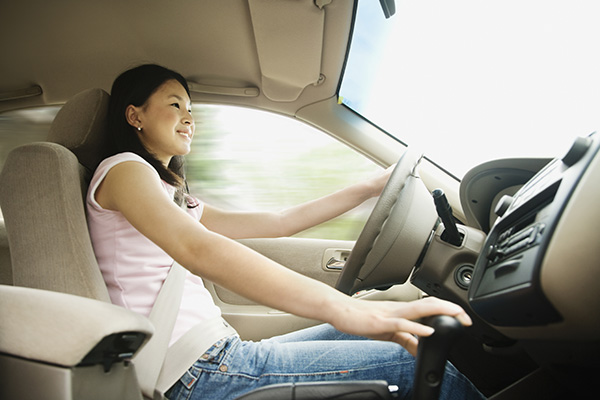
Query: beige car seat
{"x": 60, "y": 336}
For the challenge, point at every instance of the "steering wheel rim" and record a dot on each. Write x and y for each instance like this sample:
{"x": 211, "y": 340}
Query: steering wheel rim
{"x": 381, "y": 231}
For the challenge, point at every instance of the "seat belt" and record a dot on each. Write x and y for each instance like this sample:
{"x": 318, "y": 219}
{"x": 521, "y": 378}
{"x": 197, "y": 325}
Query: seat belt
{"x": 188, "y": 349}
{"x": 149, "y": 360}
{"x": 159, "y": 366}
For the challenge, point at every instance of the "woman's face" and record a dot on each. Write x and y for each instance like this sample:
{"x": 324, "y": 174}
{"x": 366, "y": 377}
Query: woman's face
{"x": 166, "y": 121}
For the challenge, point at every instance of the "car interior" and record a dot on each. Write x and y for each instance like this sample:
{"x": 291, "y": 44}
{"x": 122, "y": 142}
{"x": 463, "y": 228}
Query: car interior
{"x": 512, "y": 239}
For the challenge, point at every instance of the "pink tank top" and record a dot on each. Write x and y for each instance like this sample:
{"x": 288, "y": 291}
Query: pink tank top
{"x": 133, "y": 267}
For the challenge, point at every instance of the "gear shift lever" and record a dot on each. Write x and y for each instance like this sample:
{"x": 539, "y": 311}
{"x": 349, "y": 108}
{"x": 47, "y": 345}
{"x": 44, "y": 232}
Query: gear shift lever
{"x": 432, "y": 354}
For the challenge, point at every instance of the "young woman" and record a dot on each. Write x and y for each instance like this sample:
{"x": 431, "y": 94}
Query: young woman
{"x": 137, "y": 230}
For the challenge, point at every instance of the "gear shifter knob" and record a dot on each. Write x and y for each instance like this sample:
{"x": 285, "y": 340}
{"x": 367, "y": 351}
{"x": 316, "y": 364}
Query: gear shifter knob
{"x": 432, "y": 354}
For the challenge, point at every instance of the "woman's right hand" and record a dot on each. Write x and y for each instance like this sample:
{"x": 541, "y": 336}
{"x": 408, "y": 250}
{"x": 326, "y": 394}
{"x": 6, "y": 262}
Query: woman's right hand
{"x": 394, "y": 321}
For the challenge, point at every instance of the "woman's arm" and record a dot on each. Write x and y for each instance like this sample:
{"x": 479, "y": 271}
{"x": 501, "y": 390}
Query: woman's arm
{"x": 240, "y": 224}
{"x": 133, "y": 189}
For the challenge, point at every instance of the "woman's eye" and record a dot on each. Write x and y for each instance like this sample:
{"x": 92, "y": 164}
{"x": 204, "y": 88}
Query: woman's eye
{"x": 176, "y": 105}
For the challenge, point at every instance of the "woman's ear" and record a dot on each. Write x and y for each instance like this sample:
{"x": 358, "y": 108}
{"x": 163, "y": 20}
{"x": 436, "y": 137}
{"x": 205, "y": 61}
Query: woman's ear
{"x": 132, "y": 116}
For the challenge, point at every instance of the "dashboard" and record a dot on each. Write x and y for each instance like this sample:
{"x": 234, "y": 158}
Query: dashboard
{"x": 538, "y": 274}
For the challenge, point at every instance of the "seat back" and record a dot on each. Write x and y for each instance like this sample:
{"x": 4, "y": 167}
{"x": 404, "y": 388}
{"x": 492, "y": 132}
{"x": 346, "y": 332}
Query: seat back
{"x": 42, "y": 199}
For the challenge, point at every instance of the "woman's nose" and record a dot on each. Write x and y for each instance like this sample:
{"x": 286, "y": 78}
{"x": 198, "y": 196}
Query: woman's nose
{"x": 188, "y": 119}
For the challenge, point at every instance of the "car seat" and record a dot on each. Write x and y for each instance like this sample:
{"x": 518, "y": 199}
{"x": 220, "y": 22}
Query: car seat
{"x": 60, "y": 336}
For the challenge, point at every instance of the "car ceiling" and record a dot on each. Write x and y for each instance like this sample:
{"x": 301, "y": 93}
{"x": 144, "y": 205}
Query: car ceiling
{"x": 277, "y": 55}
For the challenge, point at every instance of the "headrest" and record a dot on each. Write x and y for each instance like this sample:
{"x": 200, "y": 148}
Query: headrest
{"x": 80, "y": 126}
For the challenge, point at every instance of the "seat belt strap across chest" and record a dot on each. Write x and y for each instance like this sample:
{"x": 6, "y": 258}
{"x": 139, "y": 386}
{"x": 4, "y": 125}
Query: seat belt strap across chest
{"x": 149, "y": 360}
{"x": 159, "y": 366}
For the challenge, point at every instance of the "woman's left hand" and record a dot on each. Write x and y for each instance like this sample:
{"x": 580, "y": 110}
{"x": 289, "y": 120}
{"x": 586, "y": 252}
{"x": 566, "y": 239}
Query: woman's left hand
{"x": 378, "y": 182}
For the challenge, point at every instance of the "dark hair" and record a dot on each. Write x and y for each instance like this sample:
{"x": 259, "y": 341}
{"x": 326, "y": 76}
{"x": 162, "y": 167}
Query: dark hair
{"x": 134, "y": 87}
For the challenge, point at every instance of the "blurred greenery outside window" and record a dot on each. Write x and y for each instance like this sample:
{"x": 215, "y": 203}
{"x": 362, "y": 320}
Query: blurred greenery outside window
{"x": 244, "y": 159}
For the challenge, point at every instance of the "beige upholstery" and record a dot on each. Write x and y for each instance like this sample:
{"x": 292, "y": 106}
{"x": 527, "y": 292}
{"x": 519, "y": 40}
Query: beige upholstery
{"x": 67, "y": 343}
{"x": 5, "y": 269}
{"x": 46, "y": 182}
{"x": 63, "y": 327}
{"x": 80, "y": 126}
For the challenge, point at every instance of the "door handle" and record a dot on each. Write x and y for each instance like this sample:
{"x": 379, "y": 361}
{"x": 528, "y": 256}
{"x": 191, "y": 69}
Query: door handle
{"x": 334, "y": 264}
{"x": 335, "y": 259}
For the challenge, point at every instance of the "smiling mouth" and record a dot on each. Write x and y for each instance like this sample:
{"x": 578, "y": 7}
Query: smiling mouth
{"x": 187, "y": 135}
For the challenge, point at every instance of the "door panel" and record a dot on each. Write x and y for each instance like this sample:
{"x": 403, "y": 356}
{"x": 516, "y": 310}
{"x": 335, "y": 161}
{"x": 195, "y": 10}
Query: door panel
{"x": 306, "y": 256}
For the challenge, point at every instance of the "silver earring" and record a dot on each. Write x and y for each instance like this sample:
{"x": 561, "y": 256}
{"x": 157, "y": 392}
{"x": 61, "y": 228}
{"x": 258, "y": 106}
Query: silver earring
{"x": 139, "y": 128}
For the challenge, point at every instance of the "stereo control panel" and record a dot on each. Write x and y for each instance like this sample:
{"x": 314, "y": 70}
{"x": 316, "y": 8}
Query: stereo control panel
{"x": 506, "y": 288}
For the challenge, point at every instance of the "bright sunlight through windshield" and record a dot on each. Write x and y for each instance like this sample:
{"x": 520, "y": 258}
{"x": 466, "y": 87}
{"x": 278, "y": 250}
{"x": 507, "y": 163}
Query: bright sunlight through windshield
{"x": 469, "y": 80}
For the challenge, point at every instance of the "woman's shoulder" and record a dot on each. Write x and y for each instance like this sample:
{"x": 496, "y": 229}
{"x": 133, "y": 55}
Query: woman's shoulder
{"x": 129, "y": 170}
{"x": 108, "y": 163}
{"x": 121, "y": 158}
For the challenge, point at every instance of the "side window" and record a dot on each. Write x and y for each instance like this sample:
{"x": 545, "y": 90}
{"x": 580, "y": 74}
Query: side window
{"x": 246, "y": 159}
{"x": 23, "y": 126}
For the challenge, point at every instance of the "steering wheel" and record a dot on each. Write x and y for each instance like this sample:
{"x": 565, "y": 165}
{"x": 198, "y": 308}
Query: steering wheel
{"x": 395, "y": 233}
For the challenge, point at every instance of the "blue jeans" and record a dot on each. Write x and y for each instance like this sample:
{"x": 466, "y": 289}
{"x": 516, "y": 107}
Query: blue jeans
{"x": 232, "y": 367}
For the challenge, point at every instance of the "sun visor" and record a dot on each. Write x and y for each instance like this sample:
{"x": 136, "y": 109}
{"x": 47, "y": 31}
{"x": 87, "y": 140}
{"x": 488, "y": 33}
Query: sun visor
{"x": 289, "y": 42}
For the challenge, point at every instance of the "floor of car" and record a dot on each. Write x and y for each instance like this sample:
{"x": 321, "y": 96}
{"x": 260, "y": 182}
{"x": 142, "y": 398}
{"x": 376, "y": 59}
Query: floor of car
{"x": 491, "y": 373}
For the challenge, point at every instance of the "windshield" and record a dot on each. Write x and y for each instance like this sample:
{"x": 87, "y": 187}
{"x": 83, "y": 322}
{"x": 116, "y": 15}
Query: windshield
{"x": 467, "y": 81}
